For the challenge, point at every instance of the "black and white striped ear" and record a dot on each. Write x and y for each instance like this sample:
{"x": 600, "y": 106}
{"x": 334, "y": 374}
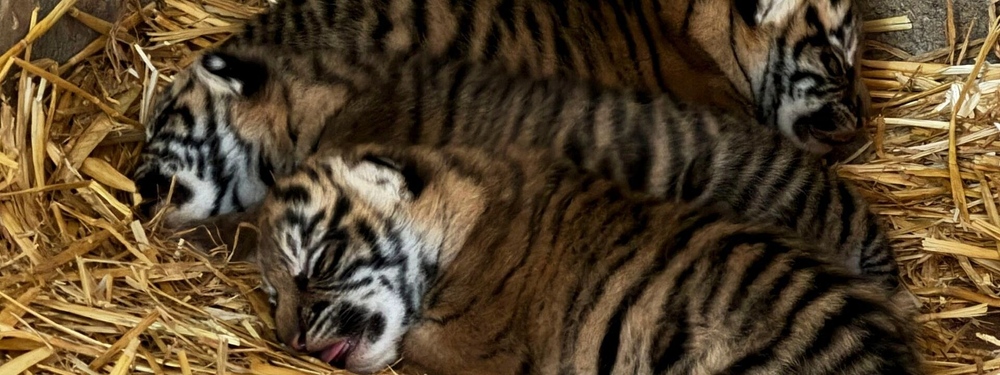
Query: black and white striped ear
{"x": 765, "y": 12}
{"x": 240, "y": 75}
{"x": 392, "y": 174}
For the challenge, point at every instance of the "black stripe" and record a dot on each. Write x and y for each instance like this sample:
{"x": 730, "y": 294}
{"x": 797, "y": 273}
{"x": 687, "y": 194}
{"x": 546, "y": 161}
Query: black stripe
{"x": 640, "y": 164}
{"x": 821, "y": 181}
{"x": 367, "y": 234}
{"x": 850, "y": 319}
{"x": 351, "y": 285}
{"x": 452, "y": 104}
{"x": 751, "y": 304}
{"x": 720, "y": 254}
{"x": 464, "y": 12}
{"x": 217, "y": 158}
{"x": 623, "y": 27}
{"x": 298, "y": 18}
{"x": 637, "y": 228}
{"x": 492, "y": 45}
{"x": 755, "y": 176}
{"x": 862, "y": 354}
{"x": 539, "y": 216}
{"x": 805, "y": 199}
{"x": 675, "y": 151}
{"x": 665, "y": 355}
{"x": 382, "y": 25}
{"x": 761, "y": 303}
{"x": 349, "y": 18}
{"x": 311, "y": 172}
{"x": 875, "y": 250}
{"x": 582, "y": 138}
{"x": 312, "y": 223}
{"x": 610, "y": 343}
{"x": 292, "y": 194}
{"x": 276, "y": 29}
{"x": 265, "y": 170}
{"x": 847, "y": 212}
{"x": 778, "y": 187}
{"x": 419, "y": 20}
{"x": 506, "y": 14}
{"x": 341, "y": 207}
{"x": 531, "y": 23}
{"x": 608, "y": 354}
{"x": 816, "y": 289}
{"x": 558, "y": 103}
{"x": 583, "y": 305}
{"x": 335, "y": 241}
{"x": 695, "y": 177}
{"x": 317, "y": 30}
{"x": 234, "y": 198}
{"x": 616, "y": 153}
{"x": 560, "y": 25}
{"x": 417, "y": 109}
{"x": 651, "y": 43}
{"x": 316, "y": 310}
{"x": 522, "y": 109}
{"x": 249, "y": 33}
{"x": 686, "y": 25}
{"x": 290, "y": 122}
{"x": 291, "y": 218}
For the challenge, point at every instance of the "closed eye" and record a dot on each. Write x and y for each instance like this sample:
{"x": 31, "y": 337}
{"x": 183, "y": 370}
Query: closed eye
{"x": 324, "y": 261}
{"x": 833, "y": 64}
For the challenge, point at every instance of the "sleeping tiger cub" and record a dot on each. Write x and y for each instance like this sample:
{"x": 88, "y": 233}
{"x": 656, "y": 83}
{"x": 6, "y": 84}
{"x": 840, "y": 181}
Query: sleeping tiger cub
{"x": 255, "y": 121}
{"x": 465, "y": 262}
{"x": 792, "y": 63}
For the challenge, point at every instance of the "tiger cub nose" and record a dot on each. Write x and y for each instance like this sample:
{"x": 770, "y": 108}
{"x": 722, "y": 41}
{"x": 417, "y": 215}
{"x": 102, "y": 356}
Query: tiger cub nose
{"x": 298, "y": 342}
{"x": 833, "y": 123}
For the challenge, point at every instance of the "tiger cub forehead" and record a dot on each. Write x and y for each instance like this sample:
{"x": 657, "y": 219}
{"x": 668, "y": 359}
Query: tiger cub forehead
{"x": 841, "y": 22}
{"x": 412, "y": 190}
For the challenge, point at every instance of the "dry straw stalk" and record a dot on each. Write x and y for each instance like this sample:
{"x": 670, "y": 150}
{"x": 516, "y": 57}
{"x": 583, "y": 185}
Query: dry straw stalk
{"x": 85, "y": 288}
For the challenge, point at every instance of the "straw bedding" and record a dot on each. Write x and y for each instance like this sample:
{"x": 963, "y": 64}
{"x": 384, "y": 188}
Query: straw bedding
{"x": 86, "y": 288}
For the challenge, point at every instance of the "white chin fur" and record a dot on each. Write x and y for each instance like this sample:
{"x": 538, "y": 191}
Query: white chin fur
{"x": 366, "y": 361}
{"x": 373, "y": 356}
{"x": 198, "y": 207}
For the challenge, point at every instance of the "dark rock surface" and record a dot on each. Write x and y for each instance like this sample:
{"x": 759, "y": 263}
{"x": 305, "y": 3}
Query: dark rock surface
{"x": 65, "y": 38}
{"x": 929, "y": 19}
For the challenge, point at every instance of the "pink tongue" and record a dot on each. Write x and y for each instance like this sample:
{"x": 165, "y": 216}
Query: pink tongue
{"x": 334, "y": 351}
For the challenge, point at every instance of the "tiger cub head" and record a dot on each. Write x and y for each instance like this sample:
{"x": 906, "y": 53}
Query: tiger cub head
{"x": 802, "y": 61}
{"x": 224, "y": 125}
{"x": 350, "y": 243}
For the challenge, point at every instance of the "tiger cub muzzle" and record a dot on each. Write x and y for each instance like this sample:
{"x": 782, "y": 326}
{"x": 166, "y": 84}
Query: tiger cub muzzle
{"x": 835, "y": 123}
{"x": 333, "y": 333}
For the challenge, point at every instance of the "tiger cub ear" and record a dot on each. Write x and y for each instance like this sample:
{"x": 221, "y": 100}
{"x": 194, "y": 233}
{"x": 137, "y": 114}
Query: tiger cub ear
{"x": 391, "y": 175}
{"x": 765, "y": 12}
{"x": 240, "y": 75}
